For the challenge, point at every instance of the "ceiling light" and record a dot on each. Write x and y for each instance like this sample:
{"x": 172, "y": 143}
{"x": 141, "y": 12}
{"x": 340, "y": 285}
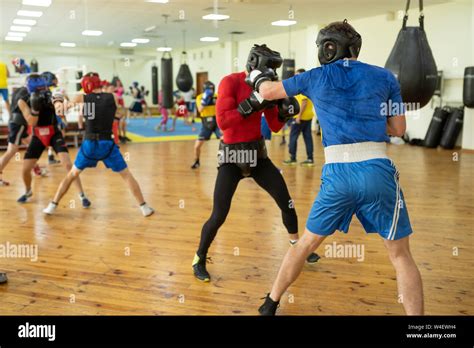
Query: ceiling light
{"x": 141, "y": 41}
{"x": 283, "y": 23}
{"x": 24, "y": 21}
{"x": 164, "y": 49}
{"x": 128, "y": 44}
{"x": 92, "y": 33}
{"x": 19, "y": 28}
{"x": 215, "y": 17}
{"x": 67, "y": 44}
{"x": 24, "y": 13}
{"x": 13, "y": 38}
{"x": 158, "y": 1}
{"x": 12, "y": 33}
{"x": 42, "y": 3}
{"x": 153, "y": 27}
{"x": 209, "y": 39}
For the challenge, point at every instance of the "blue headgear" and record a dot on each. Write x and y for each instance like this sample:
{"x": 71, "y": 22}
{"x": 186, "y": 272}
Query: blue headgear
{"x": 35, "y": 82}
{"x": 49, "y": 77}
{"x": 135, "y": 84}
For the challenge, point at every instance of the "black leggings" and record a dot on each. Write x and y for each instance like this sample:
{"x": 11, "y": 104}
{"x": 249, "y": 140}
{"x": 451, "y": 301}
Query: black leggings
{"x": 267, "y": 176}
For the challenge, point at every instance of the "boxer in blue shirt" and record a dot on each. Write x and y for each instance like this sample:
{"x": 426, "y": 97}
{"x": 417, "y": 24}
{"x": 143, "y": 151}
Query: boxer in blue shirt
{"x": 357, "y": 106}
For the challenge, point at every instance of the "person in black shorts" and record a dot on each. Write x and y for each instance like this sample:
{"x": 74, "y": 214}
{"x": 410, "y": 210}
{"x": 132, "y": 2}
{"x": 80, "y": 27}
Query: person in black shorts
{"x": 40, "y": 113}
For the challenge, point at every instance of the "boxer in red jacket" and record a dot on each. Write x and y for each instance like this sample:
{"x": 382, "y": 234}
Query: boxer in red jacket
{"x": 242, "y": 151}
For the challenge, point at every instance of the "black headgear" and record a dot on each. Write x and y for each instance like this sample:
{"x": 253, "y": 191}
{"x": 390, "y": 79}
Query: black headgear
{"x": 261, "y": 57}
{"x": 209, "y": 85}
{"x": 49, "y": 78}
{"x": 336, "y": 41}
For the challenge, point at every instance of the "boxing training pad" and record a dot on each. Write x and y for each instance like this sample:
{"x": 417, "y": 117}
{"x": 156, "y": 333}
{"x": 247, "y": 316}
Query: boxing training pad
{"x": 288, "y": 69}
{"x": 437, "y": 124}
{"x": 184, "y": 80}
{"x": 34, "y": 66}
{"x": 468, "y": 88}
{"x": 412, "y": 62}
{"x": 167, "y": 82}
{"x": 154, "y": 84}
{"x": 453, "y": 129}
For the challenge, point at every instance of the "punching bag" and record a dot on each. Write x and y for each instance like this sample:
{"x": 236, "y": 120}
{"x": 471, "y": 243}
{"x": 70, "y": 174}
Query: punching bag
{"x": 184, "y": 80}
{"x": 468, "y": 88}
{"x": 34, "y": 66}
{"x": 154, "y": 84}
{"x": 435, "y": 130}
{"x": 452, "y": 129}
{"x": 412, "y": 62}
{"x": 79, "y": 78}
{"x": 288, "y": 69}
{"x": 167, "y": 80}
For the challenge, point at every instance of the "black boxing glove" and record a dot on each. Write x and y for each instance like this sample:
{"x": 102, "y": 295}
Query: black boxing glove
{"x": 252, "y": 104}
{"x": 287, "y": 109}
{"x": 39, "y": 101}
{"x": 256, "y": 77}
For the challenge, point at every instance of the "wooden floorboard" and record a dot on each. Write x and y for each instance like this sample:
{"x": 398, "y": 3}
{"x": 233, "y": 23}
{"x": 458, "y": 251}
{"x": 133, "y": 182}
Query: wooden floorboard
{"x": 82, "y": 253}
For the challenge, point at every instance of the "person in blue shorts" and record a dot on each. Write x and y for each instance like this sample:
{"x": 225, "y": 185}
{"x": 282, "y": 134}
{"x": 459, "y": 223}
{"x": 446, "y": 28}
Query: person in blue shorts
{"x": 98, "y": 109}
{"x": 358, "y": 106}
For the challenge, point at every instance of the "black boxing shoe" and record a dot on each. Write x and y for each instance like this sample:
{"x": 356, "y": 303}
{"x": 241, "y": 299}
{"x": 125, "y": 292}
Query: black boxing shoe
{"x": 3, "y": 278}
{"x": 269, "y": 307}
{"x": 199, "y": 268}
{"x": 313, "y": 258}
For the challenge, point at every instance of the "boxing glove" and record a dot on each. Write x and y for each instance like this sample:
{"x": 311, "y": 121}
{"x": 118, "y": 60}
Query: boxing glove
{"x": 39, "y": 101}
{"x": 208, "y": 98}
{"x": 252, "y": 104}
{"x": 287, "y": 109}
{"x": 256, "y": 77}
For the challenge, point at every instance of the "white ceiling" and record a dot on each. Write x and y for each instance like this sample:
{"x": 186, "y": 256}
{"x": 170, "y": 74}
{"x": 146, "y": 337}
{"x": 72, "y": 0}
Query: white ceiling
{"x": 124, "y": 20}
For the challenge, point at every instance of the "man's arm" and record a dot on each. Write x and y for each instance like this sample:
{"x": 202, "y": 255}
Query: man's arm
{"x": 31, "y": 119}
{"x": 226, "y": 105}
{"x": 272, "y": 90}
{"x": 396, "y": 125}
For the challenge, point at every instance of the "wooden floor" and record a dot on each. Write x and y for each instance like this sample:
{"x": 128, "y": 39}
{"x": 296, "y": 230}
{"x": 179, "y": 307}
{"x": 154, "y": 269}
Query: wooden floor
{"x": 84, "y": 267}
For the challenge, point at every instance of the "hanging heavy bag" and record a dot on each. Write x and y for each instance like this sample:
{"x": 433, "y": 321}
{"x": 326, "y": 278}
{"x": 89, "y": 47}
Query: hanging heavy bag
{"x": 167, "y": 80}
{"x": 79, "y": 78}
{"x": 412, "y": 62}
{"x": 184, "y": 79}
{"x": 468, "y": 88}
{"x": 288, "y": 69}
{"x": 452, "y": 129}
{"x": 154, "y": 84}
{"x": 437, "y": 124}
{"x": 34, "y": 66}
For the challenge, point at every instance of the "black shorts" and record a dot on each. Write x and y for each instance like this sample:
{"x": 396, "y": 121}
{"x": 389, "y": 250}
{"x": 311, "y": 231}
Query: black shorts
{"x": 16, "y": 133}
{"x": 36, "y": 147}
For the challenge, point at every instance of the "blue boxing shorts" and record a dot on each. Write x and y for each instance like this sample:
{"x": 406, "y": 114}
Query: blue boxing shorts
{"x": 94, "y": 151}
{"x": 359, "y": 179}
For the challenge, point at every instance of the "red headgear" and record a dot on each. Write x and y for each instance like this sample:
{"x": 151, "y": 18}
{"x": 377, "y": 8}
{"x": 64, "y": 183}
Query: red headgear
{"x": 90, "y": 82}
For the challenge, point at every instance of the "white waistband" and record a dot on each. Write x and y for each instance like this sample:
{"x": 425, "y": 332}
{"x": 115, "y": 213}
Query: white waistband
{"x": 357, "y": 152}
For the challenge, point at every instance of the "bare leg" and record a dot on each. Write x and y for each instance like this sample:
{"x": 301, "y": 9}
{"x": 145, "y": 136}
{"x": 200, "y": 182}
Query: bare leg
{"x": 197, "y": 149}
{"x": 28, "y": 165}
{"x": 65, "y": 184}
{"x": 133, "y": 185}
{"x": 409, "y": 283}
{"x": 293, "y": 263}
{"x": 66, "y": 161}
{"x": 7, "y": 156}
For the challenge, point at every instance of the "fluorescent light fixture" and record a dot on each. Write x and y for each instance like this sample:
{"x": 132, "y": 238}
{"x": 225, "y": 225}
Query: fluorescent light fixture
{"x": 128, "y": 44}
{"x": 283, "y": 23}
{"x": 24, "y": 21}
{"x": 141, "y": 41}
{"x": 158, "y": 1}
{"x": 209, "y": 39}
{"x": 19, "y": 28}
{"x": 12, "y": 33}
{"x": 92, "y": 33}
{"x": 42, "y": 3}
{"x": 13, "y": 38}
{"x": 153, "y": 27}
{"x": 164, "y": 49}
{"x": 35, "y": 14}
{"x": 215, "y": 17}
{"x": 67, "y": 44}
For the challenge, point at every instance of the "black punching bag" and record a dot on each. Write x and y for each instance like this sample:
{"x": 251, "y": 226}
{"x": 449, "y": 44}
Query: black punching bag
{"x": 412, "y": 62}
{"x": 184, "y": 80}
{"x": 34, "y": 66}
{"x": 154, "y": 84}
{"x": 288, "y": 69}
{"x": 468, "y": 88}
{"x": 435, "y": 130}
{"x": 167, "y": 80}
{"x": 452, "y": 129}
{"x": 78, "y": 77}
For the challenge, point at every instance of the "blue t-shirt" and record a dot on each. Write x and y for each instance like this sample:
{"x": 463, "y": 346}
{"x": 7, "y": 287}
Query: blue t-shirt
{"x": 352, "y": 100}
